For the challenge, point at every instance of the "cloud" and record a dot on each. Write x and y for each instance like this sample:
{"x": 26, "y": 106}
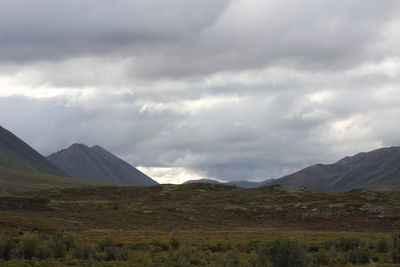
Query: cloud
{"x": 230, "y": 90}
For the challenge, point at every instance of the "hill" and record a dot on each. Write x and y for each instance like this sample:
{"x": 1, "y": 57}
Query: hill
{"x": 377, "y": 169}
{"x": 15, "y": 154}
{"x": 97, "y": 163}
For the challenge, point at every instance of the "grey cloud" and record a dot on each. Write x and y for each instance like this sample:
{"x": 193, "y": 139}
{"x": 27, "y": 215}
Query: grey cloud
{"x": 241, "y": 89}
{"x": 154, "y": 40}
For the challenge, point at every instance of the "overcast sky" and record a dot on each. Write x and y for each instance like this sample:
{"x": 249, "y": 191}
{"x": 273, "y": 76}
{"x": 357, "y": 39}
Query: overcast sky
{"x": 229, "y": 90}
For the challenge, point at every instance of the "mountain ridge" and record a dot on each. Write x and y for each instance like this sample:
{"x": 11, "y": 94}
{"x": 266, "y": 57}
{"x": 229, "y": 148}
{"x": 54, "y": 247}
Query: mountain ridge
{"x": 376, "y": 169}
{"x": 15, "y": 154}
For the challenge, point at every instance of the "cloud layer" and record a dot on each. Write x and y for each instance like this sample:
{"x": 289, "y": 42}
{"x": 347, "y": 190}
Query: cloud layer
{"x": 223, "y": 89}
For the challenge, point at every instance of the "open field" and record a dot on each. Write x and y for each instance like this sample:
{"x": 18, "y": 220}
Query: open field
{"x": 20, "y": 181}
{"x": 200, "y": 207}
{"x": 213, "y": 225}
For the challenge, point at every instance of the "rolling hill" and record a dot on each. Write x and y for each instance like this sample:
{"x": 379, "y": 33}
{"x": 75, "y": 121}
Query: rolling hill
{"x": 377, "y": 169}
{"x": 97, "y": 163}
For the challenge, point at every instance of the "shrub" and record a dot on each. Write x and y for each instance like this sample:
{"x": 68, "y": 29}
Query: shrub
{"x": 284, "y": 252}
{"x": 83, "y": 251}
{"x": 174, "y": 242}
{"x": 382, "y": 245}
{"x": 396, "y": 248}
{"x": 106, "y": 244}
{"x": 231, "y": 259}
{"x": 28, "y": 246}
{"x": 7, "y": 247}
{"x": 349, "y": 243}
{"x": 57, "y": 246}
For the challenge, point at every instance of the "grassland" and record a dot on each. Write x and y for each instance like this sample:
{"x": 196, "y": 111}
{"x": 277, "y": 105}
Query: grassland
{"x": 205, "y": 216}
{"x": 20, "y": 181}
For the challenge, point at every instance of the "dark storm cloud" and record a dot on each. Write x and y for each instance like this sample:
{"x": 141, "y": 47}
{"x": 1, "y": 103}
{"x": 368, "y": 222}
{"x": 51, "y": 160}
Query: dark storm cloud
{"x": 43, "y": 30}
{"x": 177, "y": 39}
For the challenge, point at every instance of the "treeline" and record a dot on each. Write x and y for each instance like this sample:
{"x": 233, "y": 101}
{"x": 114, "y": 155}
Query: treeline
{"x": 33, "y": 249}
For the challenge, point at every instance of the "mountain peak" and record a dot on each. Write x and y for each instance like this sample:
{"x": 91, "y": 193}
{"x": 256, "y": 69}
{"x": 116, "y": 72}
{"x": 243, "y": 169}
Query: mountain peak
{"x": 97, "y": 163}
{"x": 78, "y": 146}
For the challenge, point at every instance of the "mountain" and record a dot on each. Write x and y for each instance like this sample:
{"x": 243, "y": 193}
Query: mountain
{"x": 377, "y": 169}
{"x": 209, "y": 181}
{"x": 246, "y": 184}
{"x": 17, "y": 155}
{"x": 97, "y": 163}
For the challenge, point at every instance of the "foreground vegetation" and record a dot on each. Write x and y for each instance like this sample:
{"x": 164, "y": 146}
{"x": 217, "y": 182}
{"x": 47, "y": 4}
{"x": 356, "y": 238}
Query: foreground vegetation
{"x": 199, "y": 225}
{"x": 34, "y": 249}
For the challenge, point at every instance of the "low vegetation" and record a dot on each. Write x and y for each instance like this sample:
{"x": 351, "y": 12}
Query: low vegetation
{"x": 199, "y": 207}
{"x": 199, "y": 225}
{"x": 34, "y": 249}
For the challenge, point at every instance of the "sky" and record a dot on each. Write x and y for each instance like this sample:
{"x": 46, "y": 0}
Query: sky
{"x": 227, "y": 89}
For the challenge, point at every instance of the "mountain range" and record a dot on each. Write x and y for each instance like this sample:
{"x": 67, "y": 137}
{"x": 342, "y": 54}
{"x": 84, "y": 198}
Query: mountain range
{"x": 22, "y": 166}
{"x": 96, "y": 163}
{"x": 377, "y": 169}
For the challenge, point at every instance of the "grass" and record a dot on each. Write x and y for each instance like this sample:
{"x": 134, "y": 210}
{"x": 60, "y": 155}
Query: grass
{"x": 13, "y": 180}
{"x": 210, "y": 219}
{"x": 202, "y": 207}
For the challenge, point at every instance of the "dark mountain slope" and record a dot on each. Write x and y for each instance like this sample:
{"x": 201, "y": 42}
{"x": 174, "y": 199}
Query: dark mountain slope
{"x": 97, "y": 163}
{"x": 15, "y": 154}
{"x": 377, "y": 169}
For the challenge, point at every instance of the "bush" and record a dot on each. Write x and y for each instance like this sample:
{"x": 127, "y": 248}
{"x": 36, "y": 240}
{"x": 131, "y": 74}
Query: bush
{"x": 29, "y": 245}
{"x": 174, "y": 242}
{"x": 231, "y": 259}
{"x": 396, "y": 248}
{"x": 382, "y": 245}
{"x": 83, "y": 251}
{"x": 284, "y": 252}
{"x": 7, "y": 247}
{"x": 349, "y": 243}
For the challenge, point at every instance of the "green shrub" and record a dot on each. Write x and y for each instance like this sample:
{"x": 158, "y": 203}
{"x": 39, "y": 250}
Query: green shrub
{"x": 28, "y": 246}
{"x": 7, "y": 247}
{"x": 284, "y": 252}
{"x": 382, "y": 245}
{"x": 349, "y": 243}
{"x": 231, "y": 259}
{"x": 174, "y": 242}
{"x": 58, "y": 246}
{"x": 83, "y": 251}
{"x": 396, "y": 248}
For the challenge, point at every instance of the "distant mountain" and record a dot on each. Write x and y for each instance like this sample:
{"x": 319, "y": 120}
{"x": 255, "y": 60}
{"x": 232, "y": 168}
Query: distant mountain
{"x": 17, "y": 155}
{"x": 97, "y": 163}
{"x": 210, "y": 181}
{"x": 246, "y": 184}
{"x": 378, "y": 169}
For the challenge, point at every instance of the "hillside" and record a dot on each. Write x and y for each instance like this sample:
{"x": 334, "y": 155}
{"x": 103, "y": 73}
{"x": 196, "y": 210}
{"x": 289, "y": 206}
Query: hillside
{"x": 97, "y": 163}
{"x": 15, "y": 154}
{"x": 378, "y": 169}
